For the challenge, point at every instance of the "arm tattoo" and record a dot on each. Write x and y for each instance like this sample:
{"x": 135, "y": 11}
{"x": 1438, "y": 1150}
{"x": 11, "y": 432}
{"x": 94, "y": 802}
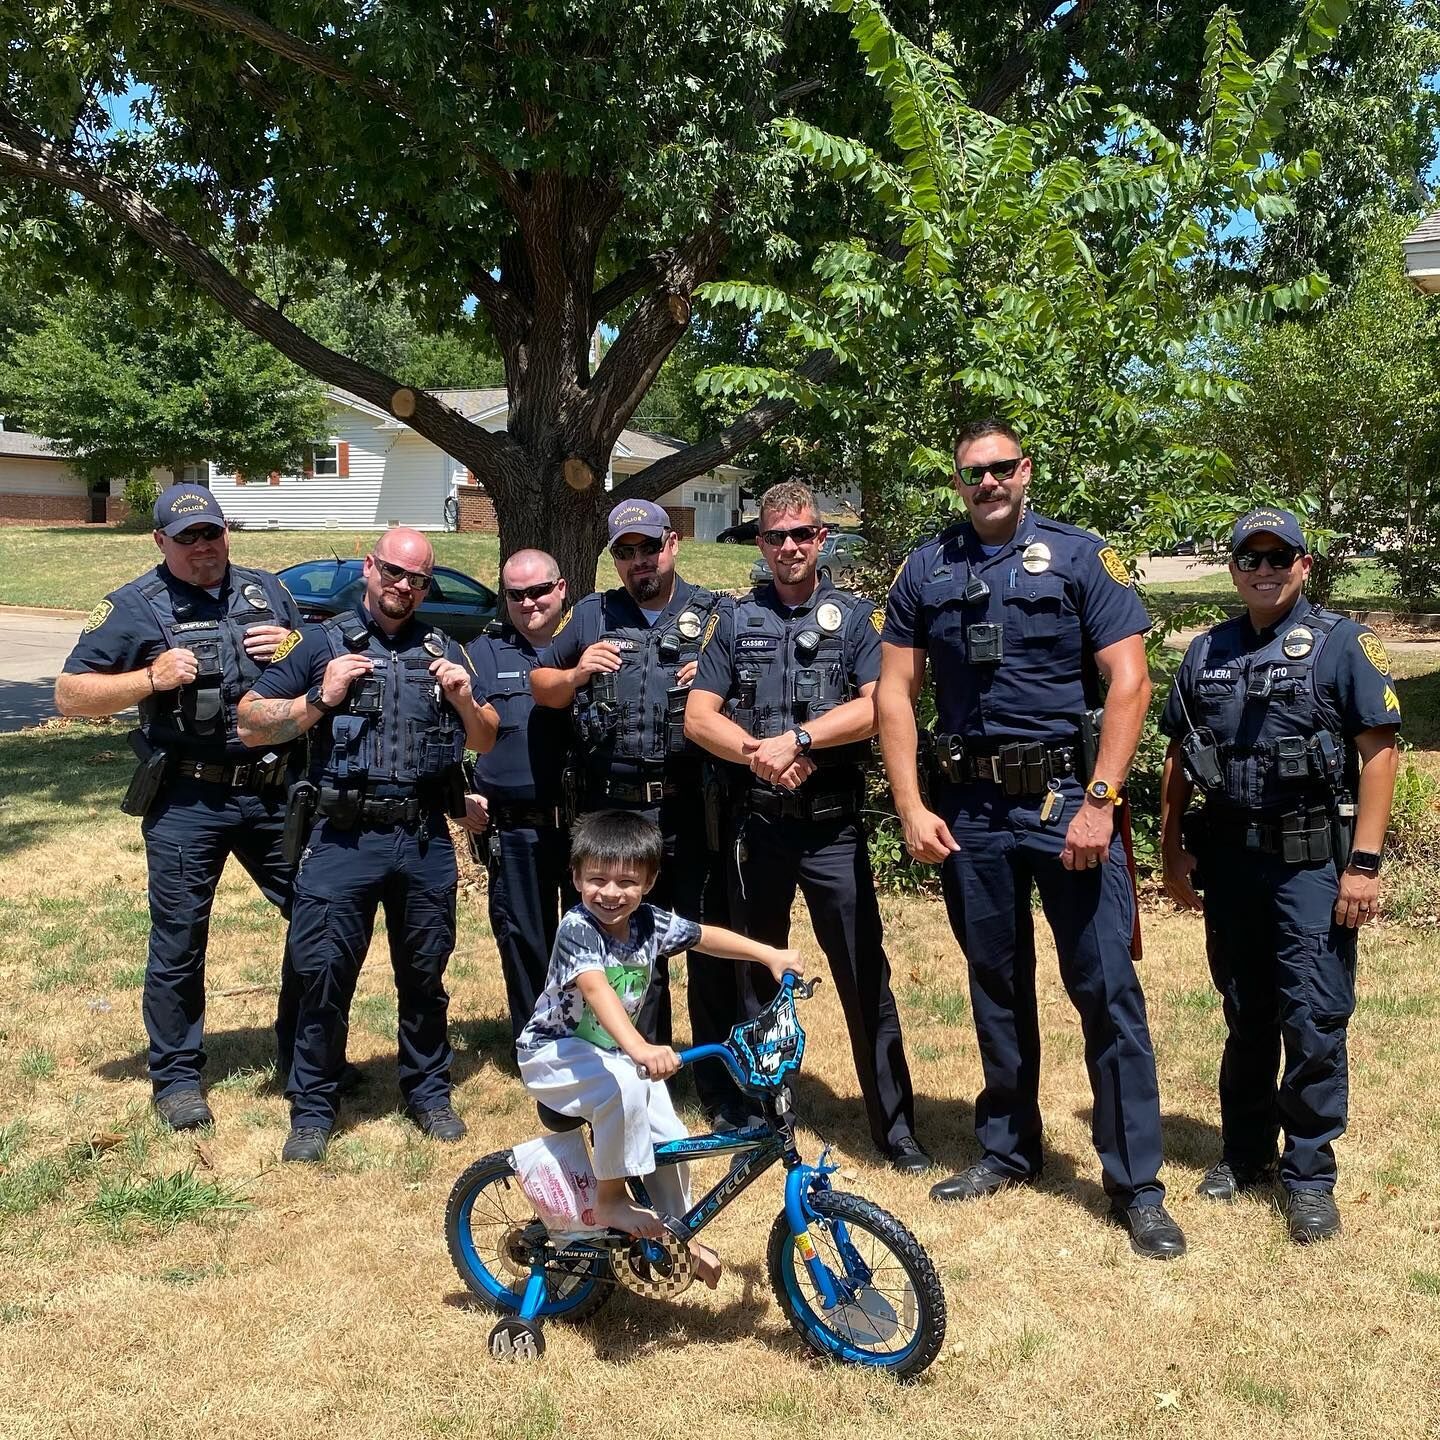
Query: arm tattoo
{"x": 272, "y": 721}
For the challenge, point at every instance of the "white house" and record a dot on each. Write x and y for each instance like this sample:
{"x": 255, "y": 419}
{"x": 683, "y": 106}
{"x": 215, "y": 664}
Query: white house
{"x": 1422, "y": 255}
{"x": 375, "y": 471}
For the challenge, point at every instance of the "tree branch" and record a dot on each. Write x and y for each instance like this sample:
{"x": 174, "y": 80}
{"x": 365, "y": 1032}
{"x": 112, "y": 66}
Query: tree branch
{"x": 310, "y": 57}
{"x": 627, "y": 283}
{"x": 725, "y": 443}
{"x": 26, "y": 153}
{"x": 1010, "y": 74}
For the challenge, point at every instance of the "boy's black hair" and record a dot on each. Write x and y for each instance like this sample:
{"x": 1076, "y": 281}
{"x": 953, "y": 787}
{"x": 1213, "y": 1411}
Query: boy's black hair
{"x": 616, "y": 837}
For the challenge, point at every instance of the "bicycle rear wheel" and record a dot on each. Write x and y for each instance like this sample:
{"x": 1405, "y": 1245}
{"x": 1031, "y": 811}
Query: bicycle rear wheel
{"x": 891, "y": 1314}
{"x": 492, "y": 1231}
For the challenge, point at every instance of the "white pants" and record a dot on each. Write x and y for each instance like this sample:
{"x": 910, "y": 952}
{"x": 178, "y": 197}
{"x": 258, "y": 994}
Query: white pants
{"x": 627, "y": 1115}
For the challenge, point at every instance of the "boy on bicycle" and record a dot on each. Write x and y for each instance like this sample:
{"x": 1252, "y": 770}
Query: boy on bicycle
{"x": 581, "y": 1054}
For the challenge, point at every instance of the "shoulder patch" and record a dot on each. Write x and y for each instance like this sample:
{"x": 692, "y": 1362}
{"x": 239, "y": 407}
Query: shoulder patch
{"x": 711, "y": 625}
{"x": 97, "y": 617}
{"x": 1374, "y": 652}
{"x": 899, "y": 568}
{"x": 564, "y": 620}
{"x": 285, "y": 646}
{"x": 1114, "y": 565}
{"x": 1392, "y": 700}
{"x": 877, "y": 621}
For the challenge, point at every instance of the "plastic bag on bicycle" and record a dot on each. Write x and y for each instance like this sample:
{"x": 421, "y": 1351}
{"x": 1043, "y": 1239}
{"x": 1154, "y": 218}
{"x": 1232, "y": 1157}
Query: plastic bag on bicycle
{"x": 558, "y": 1179}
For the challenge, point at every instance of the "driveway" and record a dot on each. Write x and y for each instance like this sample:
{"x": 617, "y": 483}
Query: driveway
{"x": 32, "y": 650}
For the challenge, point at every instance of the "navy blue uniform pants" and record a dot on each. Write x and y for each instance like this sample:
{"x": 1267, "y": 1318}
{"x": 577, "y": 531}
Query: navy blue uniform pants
{"x": 829, "y": 861}
{"x": 1006, "y": 853}
{"x": 1286, "y": 976}
{"x": 529, "y": 885}
{"x": 692, "y": 884}
{"x": 190, "y": 831}
{"x": 344, "y": 876}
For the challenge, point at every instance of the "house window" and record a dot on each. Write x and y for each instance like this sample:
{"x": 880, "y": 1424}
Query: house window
{"x": 197, "y": 473}
{"x": 325, "y": 460}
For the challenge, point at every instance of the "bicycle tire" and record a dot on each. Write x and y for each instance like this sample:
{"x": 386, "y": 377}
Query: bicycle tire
{"x": 855, "y": 1333}
{"x": 490, "y": 1262}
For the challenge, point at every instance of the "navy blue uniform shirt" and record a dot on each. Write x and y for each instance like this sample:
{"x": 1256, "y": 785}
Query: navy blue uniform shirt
{"x": 533, "y": 741}
{"x": 586, "y": 622}
{"x": 1057, "y": 592}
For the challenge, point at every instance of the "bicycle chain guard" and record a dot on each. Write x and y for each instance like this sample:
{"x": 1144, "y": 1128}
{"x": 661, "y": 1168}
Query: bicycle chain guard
{"x": 672, "y": 1274}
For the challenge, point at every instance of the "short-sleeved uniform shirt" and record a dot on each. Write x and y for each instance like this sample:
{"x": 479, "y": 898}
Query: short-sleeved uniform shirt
{"x": 123, "y": 632}
{"x": 532, "y": 743}
{"x": 1352, "y": 685}
{"x": 1057, "y": 594}
{"x": 581, "y": 944}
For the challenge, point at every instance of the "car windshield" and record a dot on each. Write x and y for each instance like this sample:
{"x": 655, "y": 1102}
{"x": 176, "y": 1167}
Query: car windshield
{"x": 317, "y": 579}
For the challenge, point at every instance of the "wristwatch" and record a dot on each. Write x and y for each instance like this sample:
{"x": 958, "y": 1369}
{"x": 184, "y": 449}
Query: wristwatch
{"x": 314, "y": 696}
{"x": 1365, "y": 862}
{"x": 802, "y": 740}
{"x": 1104, "y": 792}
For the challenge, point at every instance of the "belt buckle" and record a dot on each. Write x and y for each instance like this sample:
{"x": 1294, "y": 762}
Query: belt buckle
{"x": 991, "y": 764}
{"x": 241, "y": 775}
{"x": 654, "y": 791}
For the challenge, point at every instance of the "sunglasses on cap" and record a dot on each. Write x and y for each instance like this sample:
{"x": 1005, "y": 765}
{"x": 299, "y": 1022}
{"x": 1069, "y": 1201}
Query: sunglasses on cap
{"x": 394, "y": 574}
{"x": 1281, "y": 559}
{"x": 800, "y": 534}
{"x": 516, "y": 594}
{"x": 645, "y": 548}
{"x": 196, "y": 533}
{"x": 1000, "y": 469}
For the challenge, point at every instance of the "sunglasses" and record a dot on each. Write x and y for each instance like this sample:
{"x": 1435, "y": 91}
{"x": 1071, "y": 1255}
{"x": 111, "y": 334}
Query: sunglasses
{"x": 1000, "y": 469}
{"x": 196, "y": 533}
{"x": 1283, "y": 559}
{"x": 645, "y": 548}
{"x": 394, "y": 574}
{"x": 800, "y": 534}
{"x": 529, "y": 592}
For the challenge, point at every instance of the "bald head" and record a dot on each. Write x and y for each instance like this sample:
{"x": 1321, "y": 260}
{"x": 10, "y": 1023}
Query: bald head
{"x": 529, "y": 567}
{"x": 533, "y": 594}
{"x": 407, "y": 548}
{"x": 397, "y": 576}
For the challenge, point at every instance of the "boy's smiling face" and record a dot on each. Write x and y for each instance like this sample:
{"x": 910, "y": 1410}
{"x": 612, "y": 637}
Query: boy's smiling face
{"x": 612, "y": 893}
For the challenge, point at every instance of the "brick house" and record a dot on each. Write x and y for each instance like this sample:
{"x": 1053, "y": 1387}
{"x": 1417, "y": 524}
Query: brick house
{"x": 38, "y": 487}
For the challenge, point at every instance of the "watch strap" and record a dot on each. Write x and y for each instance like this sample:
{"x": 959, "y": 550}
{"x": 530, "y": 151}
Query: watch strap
{"x": 1367, "y": 862}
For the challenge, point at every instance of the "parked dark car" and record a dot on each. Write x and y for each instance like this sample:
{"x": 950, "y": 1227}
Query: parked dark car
{"x": 456, "y": 604}
{"x": 841, "y": 557}
{"x": 742, "y": 534}
{"x": 1188, "y": 546}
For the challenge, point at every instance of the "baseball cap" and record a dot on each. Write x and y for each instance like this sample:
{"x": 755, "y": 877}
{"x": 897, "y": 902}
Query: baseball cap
{"x": 182, "y": 506}
{"x": 1264, "y": 521}
{"x": 638, "y": 517}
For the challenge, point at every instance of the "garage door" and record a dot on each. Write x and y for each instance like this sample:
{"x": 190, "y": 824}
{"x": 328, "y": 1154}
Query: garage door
{"x": 712, "y": 513}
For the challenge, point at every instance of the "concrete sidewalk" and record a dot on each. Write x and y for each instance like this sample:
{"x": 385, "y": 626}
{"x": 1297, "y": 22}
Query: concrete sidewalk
{"x": 33, "y": 647}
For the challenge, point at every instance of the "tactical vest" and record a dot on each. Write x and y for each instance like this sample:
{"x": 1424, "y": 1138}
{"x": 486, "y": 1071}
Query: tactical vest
{"x": 790, "y": 671}
{"x": 1273, "y": 748}
{"x": 396, "y": 732}
{"x": 533, "y": 742}
{"x": 201, "y": 716}
{"x": 636, "y": 715}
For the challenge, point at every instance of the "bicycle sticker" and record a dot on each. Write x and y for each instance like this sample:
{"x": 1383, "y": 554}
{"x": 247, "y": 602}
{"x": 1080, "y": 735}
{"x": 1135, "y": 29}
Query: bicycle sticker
{"x": 805, "y": 1245}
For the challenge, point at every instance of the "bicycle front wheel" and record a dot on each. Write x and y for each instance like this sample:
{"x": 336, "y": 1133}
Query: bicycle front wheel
{"x": 492, "y": 1231}
{"x": 891, "y": 1314}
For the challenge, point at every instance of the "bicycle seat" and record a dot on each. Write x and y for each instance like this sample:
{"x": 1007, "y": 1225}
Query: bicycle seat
{"x": 554, "y": 1120}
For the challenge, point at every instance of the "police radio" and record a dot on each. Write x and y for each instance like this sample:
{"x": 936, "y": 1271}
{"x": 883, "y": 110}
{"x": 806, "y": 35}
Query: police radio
{"x": 1200, "y": 756}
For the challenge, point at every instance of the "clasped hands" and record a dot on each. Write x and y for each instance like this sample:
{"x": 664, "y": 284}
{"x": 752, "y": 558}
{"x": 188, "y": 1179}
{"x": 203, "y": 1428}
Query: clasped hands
{"x": 778, "y": 761}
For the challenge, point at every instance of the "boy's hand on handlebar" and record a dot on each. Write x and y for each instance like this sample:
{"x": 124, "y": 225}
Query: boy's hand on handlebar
{"x": 782, "y": 960}
{"x": 659, "y": 1062}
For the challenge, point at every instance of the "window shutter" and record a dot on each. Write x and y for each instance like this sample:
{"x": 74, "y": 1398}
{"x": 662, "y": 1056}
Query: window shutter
{"x": 344, "y": 449}
{"x": 309, "y": 471}
{"x": 274, "y": 477}
{"x": 469, "y": 477}
{"x": 239, "y": 477}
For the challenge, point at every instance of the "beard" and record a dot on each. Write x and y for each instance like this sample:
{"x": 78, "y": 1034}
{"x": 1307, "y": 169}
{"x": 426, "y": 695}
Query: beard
{"x": 397, "y": 606}
{"x": 646, "y": 587}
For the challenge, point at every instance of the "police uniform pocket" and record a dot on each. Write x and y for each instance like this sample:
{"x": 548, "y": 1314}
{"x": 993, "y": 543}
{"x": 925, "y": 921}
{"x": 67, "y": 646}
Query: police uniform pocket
{"x": 1033, "y": 609}
{"x": 1327, "y": 972}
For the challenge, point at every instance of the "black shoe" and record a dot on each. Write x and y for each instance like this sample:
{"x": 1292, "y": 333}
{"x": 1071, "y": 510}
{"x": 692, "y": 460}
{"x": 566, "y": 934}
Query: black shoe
{"x": 1311, "y": 1215}
{"x": 306, "y": 1144}
{"x": 1153, "y": 1233}
{"x": 971, "y": 1184}
{"x": 441, "y": 1123}
{"x": 1227, "y": 1182}
{"x": 906, "y": 1156}
{"x": 184, "y": 1109}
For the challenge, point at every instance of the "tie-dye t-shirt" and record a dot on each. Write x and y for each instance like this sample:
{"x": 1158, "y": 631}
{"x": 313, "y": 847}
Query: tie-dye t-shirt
{"x": 580, "y": 945}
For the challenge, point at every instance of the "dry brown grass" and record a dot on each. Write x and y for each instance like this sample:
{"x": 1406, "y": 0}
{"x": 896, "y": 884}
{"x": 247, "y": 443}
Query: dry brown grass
{"x": 330, "y": 1306}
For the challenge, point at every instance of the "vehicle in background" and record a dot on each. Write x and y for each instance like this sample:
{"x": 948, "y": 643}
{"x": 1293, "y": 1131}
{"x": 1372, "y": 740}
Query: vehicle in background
{"x": 742, "y": 534}
{"x": 455, "y": 603}
{"x": 842, "y": 557}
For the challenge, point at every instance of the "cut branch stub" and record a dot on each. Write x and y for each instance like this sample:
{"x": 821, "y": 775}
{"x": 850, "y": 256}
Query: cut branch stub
{"x": 679, "y": 308}
{"x": 402, "y": 403}
{"x": 577, "y": 473}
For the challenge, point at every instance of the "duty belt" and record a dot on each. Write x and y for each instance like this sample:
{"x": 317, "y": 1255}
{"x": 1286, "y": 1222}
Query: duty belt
{"x": 522, "y": 815}
{"x": 349, "y": 810}
{"x": 802, "y": 805}
{"x": 633, "y": 792}
{"x": 253, "y": 775}
{"x": 1019, "y": 768}
{"x": 1299, "y": 837}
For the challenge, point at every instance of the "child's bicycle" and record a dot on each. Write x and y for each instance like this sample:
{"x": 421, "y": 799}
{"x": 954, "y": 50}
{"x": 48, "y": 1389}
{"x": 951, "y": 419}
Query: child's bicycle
{"x": 857, "y": 1285}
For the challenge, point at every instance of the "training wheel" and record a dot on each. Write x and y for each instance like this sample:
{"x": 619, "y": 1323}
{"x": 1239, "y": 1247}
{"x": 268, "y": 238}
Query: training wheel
{"x": 516, "y": 1339}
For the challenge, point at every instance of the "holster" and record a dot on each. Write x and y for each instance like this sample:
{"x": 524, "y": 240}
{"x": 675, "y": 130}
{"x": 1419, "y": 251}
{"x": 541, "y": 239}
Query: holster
{"x": 714, "y": 791}
{"x": 300, "y": 805}
{"x": 1194, "y": 834}
{"x": 452, "y": 789}
{"x": 1342, "y": 829}
{"x": 1090, "y": 724}
{"x": 149, "y": 775}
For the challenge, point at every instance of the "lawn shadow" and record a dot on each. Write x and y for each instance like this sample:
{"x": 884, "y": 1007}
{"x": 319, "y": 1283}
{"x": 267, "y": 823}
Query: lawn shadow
{"x": 57, "y": 772}
{"x": 1419, "y": 697}
{"x": 1187, "y": 1140}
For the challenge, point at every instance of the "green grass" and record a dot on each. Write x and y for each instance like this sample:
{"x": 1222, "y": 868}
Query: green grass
{"x": 1264, "y": 1397}
{"x": 36, "y": 1064}
{"x": 1426, "y": 1282}
{"x": 161, "y": 1202}
{"x": 1363, "y": 586}
{"x": 71, "y": 569}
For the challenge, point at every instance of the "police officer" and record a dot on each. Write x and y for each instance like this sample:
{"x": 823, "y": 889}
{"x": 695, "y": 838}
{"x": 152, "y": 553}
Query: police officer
{"x": 1284, "y": 718}
{"x": 391, "y": 707}
{"x": 785, "y": 689}
{"x": 518, "y": 782}
{"x": 1020, "y": 616}
{"x": 184, "y": 642}
{"x": 625, "y": 659}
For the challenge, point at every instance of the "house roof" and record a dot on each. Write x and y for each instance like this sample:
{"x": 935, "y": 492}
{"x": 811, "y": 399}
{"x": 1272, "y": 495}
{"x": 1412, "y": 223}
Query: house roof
{"x": 32, "y": 447}
{"x": 1427, "y": 230}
